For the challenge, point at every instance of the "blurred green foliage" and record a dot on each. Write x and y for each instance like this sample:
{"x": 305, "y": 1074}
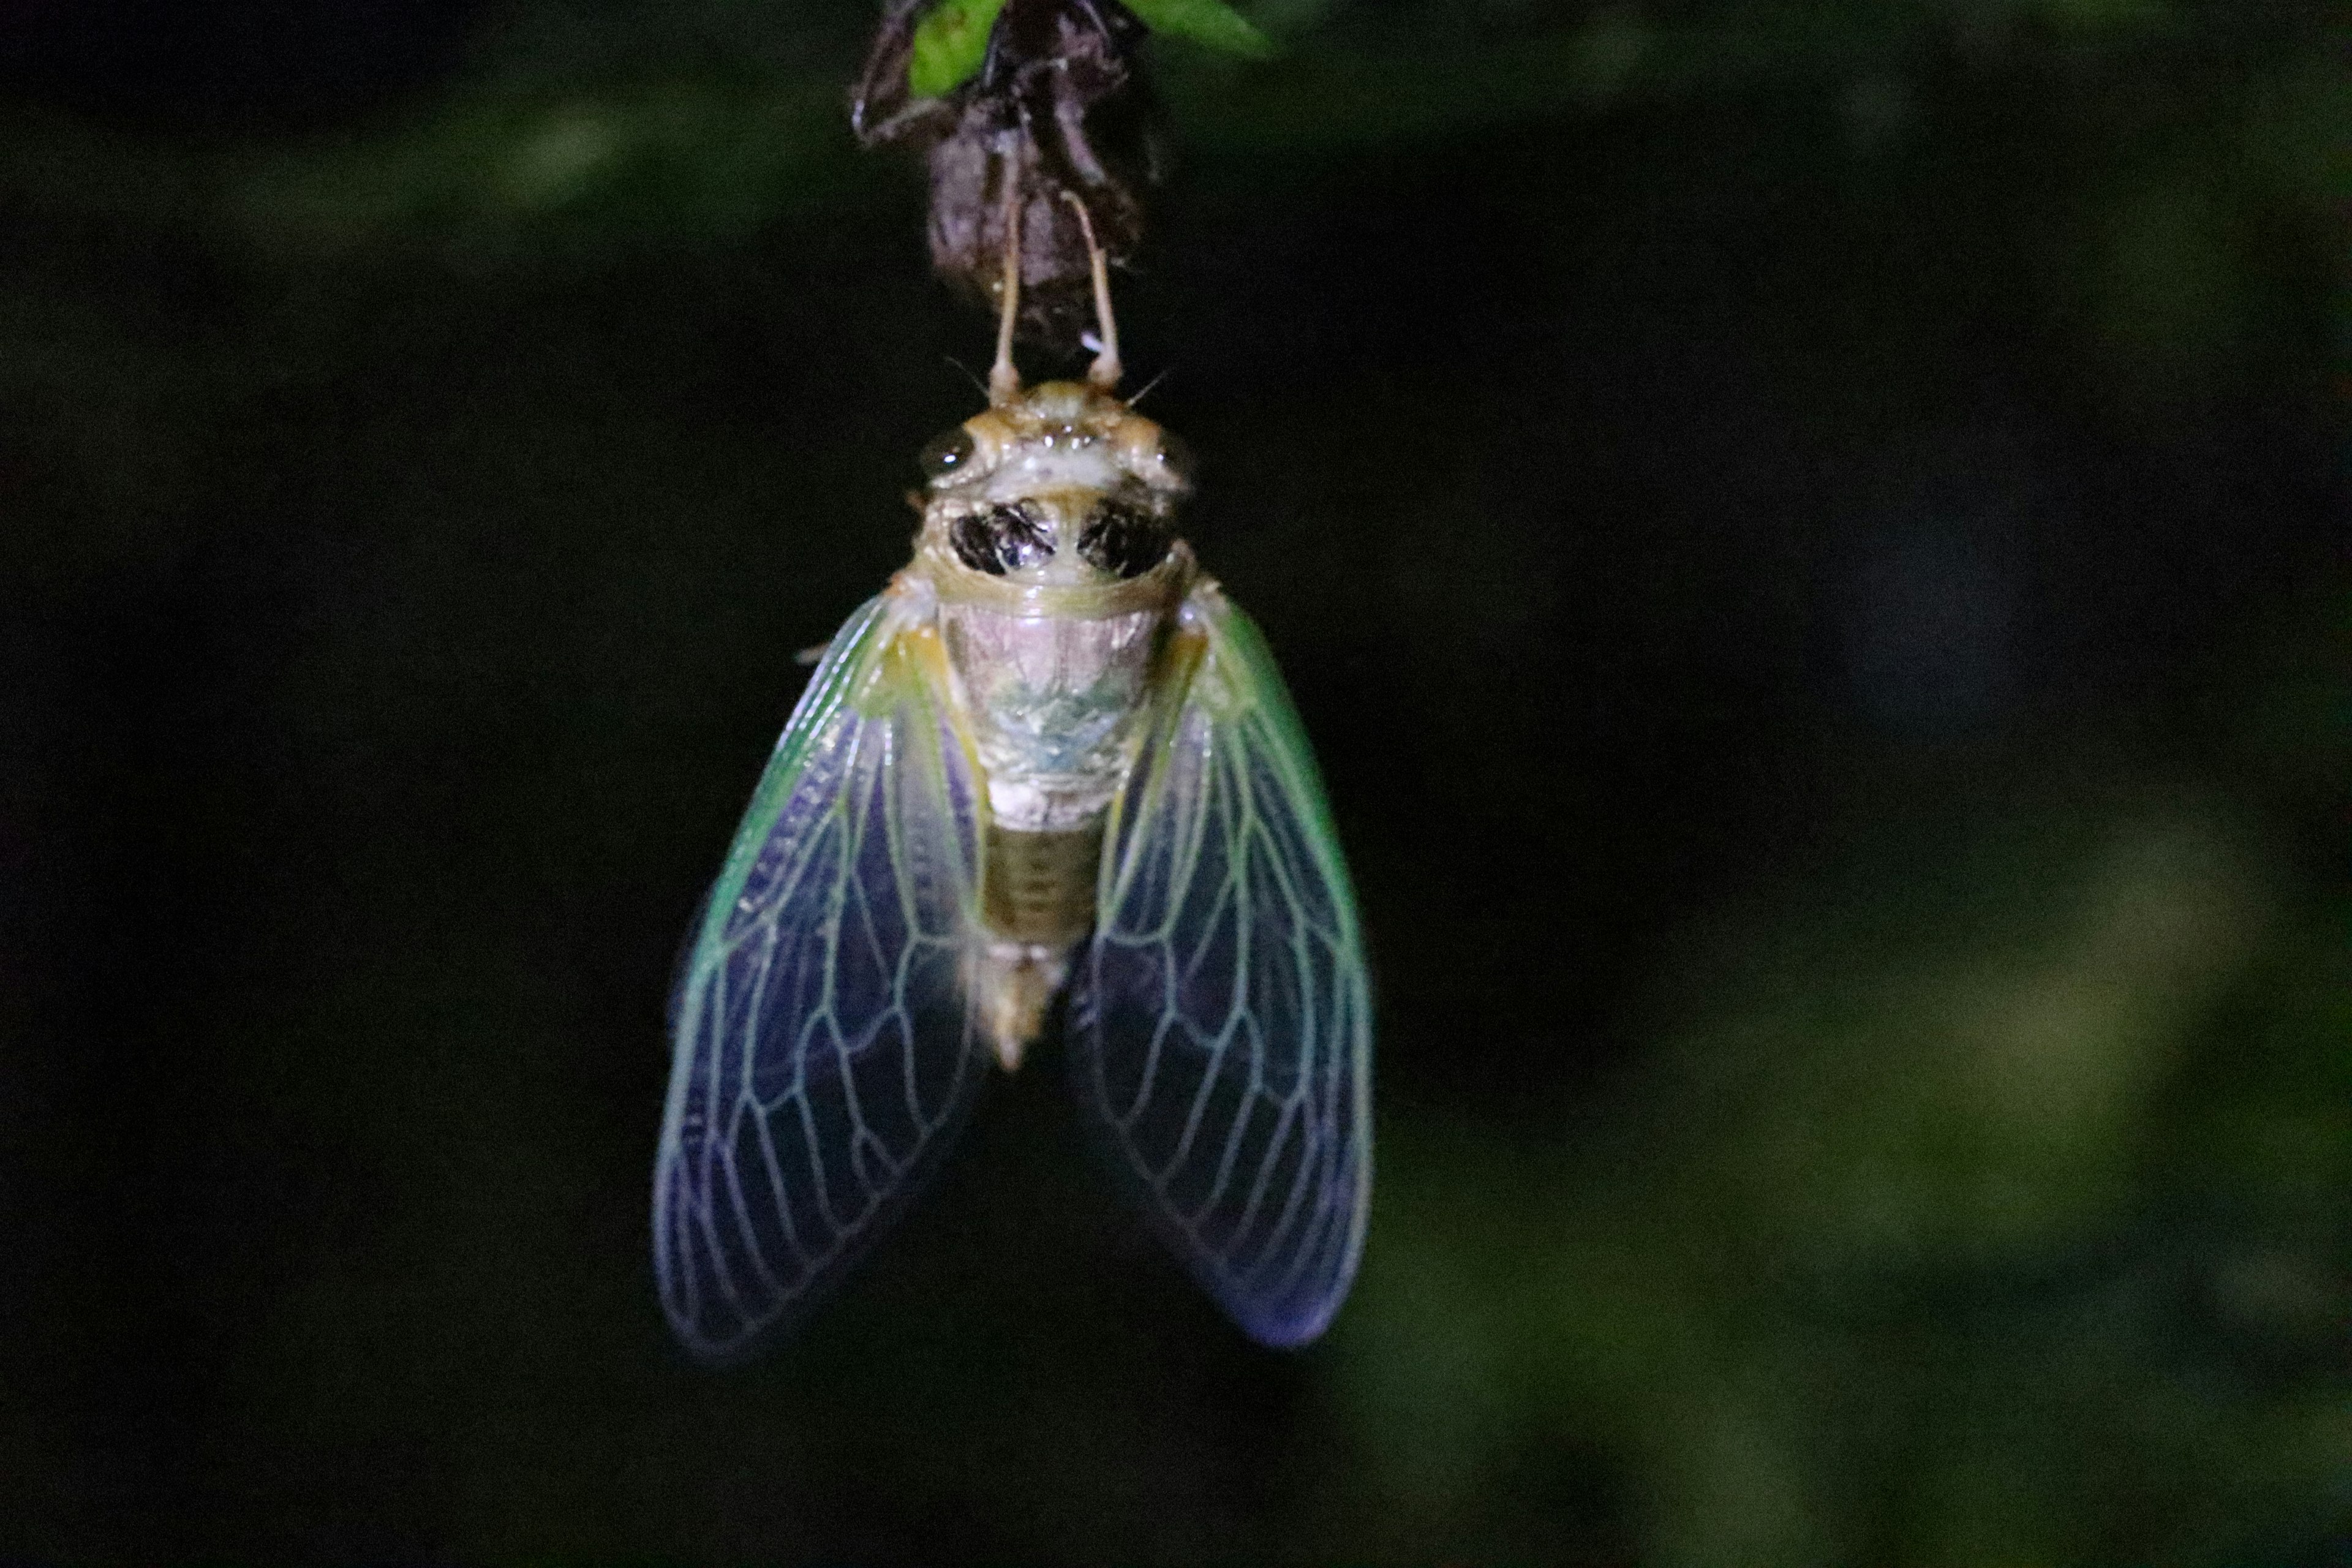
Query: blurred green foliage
{"x": 2009, "y": 1228}
{"x": 1967, "y": 1179}
{"x": 1210, "y": 22}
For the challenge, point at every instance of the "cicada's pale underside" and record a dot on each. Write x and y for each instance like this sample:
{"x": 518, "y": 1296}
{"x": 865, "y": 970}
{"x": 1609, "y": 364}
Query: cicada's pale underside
{"x": 1047, "y": 758}
{"x": 1050, "y": 756}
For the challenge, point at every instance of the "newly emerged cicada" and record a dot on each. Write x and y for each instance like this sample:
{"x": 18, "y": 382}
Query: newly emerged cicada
{"x": 1049, "y": 757}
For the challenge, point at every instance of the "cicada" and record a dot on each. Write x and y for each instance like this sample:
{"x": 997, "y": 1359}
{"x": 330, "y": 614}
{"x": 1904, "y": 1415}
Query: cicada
{"x": 1050, "y": 763}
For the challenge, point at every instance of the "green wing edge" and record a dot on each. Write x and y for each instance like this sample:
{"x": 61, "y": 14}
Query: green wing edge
{"x": 1242, "y": 665}
{"x": 849, "y": 662}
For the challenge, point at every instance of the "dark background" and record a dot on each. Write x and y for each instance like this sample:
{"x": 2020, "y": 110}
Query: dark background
{"x": 1809, "y": 538}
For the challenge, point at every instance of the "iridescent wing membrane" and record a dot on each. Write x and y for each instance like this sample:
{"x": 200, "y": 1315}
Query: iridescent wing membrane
{"x": 1220, "y": 1020}
{"x": 823, "y": 1052}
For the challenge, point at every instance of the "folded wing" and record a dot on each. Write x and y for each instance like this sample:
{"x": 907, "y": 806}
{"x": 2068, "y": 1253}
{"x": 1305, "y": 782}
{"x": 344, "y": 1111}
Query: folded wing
{"x": 1221, "y": 1018}
{"x": 822, "y": 1055}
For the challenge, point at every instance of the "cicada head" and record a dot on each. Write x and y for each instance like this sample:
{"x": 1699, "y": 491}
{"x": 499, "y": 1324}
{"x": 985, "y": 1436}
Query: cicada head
{"x": 1063, "y": 485}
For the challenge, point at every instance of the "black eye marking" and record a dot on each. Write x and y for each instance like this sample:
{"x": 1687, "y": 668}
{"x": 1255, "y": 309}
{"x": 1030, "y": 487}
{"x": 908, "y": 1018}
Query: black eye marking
{"x": 1124, "y": 539}
{"x": 946, "y": 452}
{"x": 1002, "y": 539}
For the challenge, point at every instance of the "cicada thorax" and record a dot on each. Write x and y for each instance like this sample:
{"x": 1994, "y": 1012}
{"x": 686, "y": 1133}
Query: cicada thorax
{"x": 1049, "y": 544}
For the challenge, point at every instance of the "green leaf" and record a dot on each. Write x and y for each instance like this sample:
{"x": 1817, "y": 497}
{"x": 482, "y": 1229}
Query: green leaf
{"x": 948, "y": 44}
{"x": 1210, "y": 22}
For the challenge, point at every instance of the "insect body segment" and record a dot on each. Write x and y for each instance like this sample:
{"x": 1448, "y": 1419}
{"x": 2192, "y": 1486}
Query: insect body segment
{"x": 1050, "y": 756}
{"x": 1052, "y": 646}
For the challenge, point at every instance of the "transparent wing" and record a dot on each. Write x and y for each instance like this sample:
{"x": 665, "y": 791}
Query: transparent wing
{"x": 1220, "y": 1018}
{"x": 822, "y": 1055}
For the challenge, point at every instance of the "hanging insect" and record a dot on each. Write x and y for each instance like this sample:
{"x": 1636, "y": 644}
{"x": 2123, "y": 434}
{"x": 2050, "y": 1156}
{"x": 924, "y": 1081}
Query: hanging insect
{"x": 1049, "y": 757}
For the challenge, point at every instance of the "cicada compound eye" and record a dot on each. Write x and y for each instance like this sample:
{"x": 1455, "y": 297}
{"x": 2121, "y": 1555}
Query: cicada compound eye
{"x": 948, "y": 452}
{"x": 1155, "y": 455}
{"x": 1176, "y": 456}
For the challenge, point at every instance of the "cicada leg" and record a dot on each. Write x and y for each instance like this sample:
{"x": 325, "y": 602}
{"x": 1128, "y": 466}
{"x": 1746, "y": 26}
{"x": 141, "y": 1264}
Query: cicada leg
{"x": 1104, "y": 373}
{"x": 1003, "y": 378}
